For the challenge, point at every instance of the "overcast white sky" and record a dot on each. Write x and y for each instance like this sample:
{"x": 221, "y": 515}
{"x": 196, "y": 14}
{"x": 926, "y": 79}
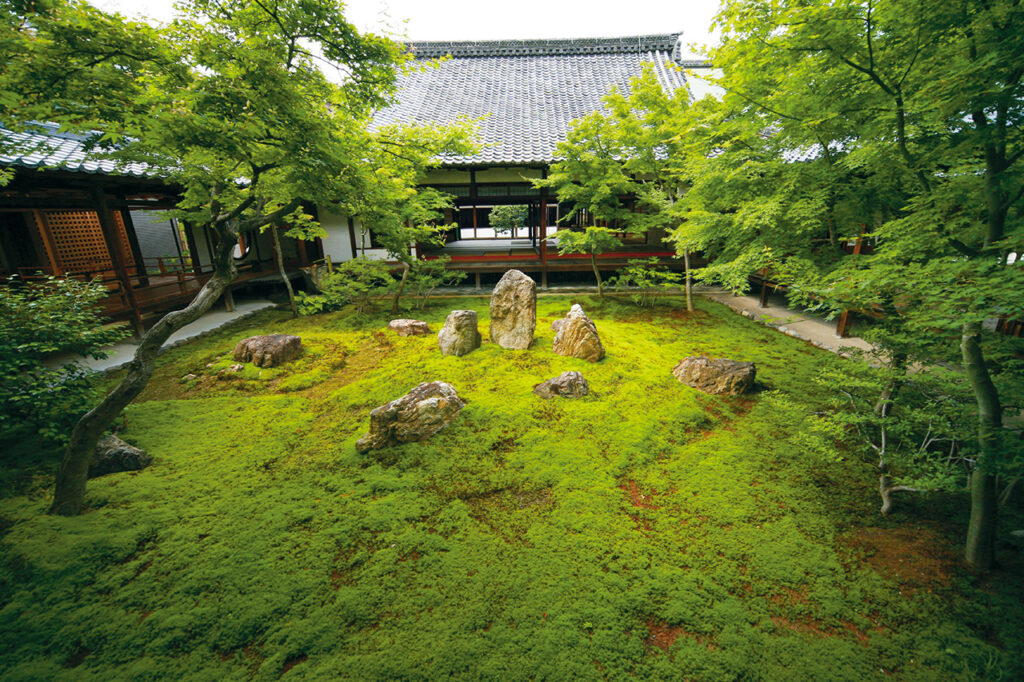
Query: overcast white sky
{"x": 490, "y": 20}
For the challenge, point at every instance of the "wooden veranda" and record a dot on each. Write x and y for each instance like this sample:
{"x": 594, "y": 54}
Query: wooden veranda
{"x": 79, "y": 225}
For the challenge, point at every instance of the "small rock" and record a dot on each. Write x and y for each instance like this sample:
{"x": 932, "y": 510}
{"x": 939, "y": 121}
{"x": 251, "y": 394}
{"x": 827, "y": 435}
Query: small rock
{"x": 269, "y": 350}
{"x": 459, "y": 335}
{"x": 566, "y": 385}
{"x": 236, "y": 368}
{"x": 407, "y": 327}
{"x": 717, "y": 376}
{"x": 514, "y": 311}
{"x": 113, "y": 455}
{"x": 417, "y": 415}
{"x": 188, "y": 377}
{"x": 577, "y": 337}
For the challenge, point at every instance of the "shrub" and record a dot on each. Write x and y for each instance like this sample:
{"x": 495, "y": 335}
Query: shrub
{"x": 427, "y": 275}
{"x": 352, "y": 282}
{"x": 647, "y": 277}
{"x": 56, "y": 316}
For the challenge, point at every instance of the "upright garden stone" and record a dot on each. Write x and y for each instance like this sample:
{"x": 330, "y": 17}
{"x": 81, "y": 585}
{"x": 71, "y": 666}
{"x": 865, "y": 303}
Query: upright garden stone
{"x": 565, "y": 385}
{"x": 716, "y": 375}
{"x": 514, "y": 311}
{"x": 407, "y": 327}
{"x": 113, "y": 455}
{"x": 459, "y": 335}
{"x": 417, "y": 415}
{"x": 269, "y": 350}
{"x": 577, "y": 337}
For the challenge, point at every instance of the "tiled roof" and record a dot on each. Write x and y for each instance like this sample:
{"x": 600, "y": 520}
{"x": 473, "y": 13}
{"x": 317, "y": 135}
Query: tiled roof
{"x": 528, "y": 91}
{"x": 47, "y": 147}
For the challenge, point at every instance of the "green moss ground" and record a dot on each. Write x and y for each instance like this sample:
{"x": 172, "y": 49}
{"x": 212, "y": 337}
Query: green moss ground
{"x": 646, "y": 531}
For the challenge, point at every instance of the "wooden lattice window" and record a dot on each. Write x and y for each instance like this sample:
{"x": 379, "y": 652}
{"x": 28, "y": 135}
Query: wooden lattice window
{"x": 79, "y": 240}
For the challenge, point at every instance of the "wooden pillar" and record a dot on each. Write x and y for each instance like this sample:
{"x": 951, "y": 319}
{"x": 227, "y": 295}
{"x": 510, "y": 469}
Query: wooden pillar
{"x": 113, "y": 241}
{"x": 843, "y": 326}
{"x": 477, "y": 274}
{"x": 352, "y": 236}
{"x": 543, "y": 239}
{"x": 52, "y": 255}
{"x": 229, "y": 300}
{"x": 193, "y": 248}
{"x": 303, "y": 256}
{"x": 133, "y": 242}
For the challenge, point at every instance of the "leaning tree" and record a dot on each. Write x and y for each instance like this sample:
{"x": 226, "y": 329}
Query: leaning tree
{"x": 231, "y": 103}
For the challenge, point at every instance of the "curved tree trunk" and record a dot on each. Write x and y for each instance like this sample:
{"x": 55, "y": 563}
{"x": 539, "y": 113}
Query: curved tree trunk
{"x": 593, "y": 263}
{"x": 981, "y": 531}
{"x": 69, "y": 491}
{"x": 284, "y": 274}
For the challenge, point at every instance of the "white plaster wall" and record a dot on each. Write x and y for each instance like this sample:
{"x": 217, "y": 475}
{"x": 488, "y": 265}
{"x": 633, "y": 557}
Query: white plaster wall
{"x": 337, "y": 244}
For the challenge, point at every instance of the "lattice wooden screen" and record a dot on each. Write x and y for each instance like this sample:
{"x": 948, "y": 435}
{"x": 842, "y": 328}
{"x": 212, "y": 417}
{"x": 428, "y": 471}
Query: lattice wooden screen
{"x": 79, "y": 240}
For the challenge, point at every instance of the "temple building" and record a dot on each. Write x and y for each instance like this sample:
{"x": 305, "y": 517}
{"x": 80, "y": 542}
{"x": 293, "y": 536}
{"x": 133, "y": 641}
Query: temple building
{"x": 525, "y": 95}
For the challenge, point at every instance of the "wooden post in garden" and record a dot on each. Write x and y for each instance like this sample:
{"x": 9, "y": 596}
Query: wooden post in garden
{"x": 843, "y": 326}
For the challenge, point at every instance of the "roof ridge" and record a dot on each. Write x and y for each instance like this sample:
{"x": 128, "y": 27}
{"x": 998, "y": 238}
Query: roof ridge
{"x": 664, "y": 42}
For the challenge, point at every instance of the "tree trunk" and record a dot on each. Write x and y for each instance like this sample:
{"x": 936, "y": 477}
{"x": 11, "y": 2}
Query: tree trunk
{"x": 69, "y": 491}
{"x": 401, "y": 288}
{"x": 689, "y": 281}
{"x": 284, "y": 275}
{"x": 593, "y": 263}
{"x": 981, "y": 531}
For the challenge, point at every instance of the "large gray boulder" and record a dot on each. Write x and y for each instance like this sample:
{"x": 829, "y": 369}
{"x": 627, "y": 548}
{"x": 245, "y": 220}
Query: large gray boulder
{"x": 417, "y": 415}
{"x": 577, "y": 337}
{"x": 407, "y": 327}
{"x": 718, "y": 376}
{"x": 514, "y": 311}
{"x": 269, "y": 350}
{"x": 113, "y": 455}
{"x": 459, "y": 335}
{"x": 565, "y": 385}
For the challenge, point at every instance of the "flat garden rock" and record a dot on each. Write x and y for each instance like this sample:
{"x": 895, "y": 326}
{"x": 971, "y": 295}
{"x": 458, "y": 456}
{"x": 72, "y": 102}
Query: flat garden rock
{"x": 113, "y": 455}
{"x": 417, "y": 415}
{"x": 269, "y": 350}
{"x": 459, "y": 335}
{"x": 514, "y": 311}
{"x": 565, "y": 385}
{"x": 407, "y": 327}
{"x": 718, "y": 376}
{"x": 577, "y": 337}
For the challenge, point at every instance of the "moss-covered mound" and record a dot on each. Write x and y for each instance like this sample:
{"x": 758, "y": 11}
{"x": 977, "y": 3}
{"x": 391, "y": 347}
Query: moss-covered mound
{"x": 646, "y": 530}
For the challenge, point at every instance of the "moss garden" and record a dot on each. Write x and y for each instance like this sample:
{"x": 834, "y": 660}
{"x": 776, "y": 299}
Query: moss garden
{"x": 646, "y": 531}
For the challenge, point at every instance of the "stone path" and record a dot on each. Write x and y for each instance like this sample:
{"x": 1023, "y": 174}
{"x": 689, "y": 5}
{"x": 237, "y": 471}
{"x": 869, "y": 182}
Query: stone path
{"x": 812, "y": 328}
{"x": 121, "y": 354}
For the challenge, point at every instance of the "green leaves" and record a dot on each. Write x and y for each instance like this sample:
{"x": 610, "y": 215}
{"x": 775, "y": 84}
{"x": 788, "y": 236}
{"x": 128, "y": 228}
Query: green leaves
{"x": 37, "y": 321}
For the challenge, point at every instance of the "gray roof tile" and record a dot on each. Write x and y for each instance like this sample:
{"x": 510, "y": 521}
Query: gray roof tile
{"x": 45, "y": 146}
{"x": 526, "y": 92}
